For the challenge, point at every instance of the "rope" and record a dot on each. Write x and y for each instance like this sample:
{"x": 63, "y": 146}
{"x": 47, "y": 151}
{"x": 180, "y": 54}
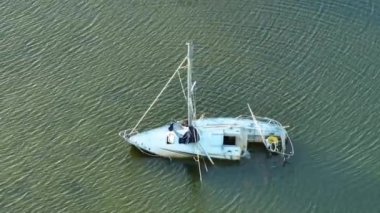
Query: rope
{"x": 257, "y": 124}
{"x": 194, "y": 105}
{"x": 183, "y": 89}
{"x": 156, "y": 99}
{"x": 207, "y": 155}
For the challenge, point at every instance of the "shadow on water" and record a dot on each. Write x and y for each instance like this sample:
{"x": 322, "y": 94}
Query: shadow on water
{"x": 260, "y": 163}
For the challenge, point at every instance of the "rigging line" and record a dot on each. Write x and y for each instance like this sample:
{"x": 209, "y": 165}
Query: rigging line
{"x": 194, "y": 105}
{"x": 291, "y": 144}
{"x": 196, "y": 159}
{"x": 180, "y": 81}
{"x": 156, "y": 99}
{"x": 207, "y": 155}
{"x": 257, "y": 124}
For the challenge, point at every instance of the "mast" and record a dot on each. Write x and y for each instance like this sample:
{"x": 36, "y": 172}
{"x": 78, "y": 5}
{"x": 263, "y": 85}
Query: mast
{"x": 189, "y": 83}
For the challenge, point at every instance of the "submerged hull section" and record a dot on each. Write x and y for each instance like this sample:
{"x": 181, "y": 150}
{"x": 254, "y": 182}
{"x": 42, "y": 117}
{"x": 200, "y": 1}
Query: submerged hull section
{"x": 221, "y": 138}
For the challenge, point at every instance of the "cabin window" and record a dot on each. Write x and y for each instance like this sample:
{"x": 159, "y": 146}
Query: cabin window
{"x": 229, "y": 140}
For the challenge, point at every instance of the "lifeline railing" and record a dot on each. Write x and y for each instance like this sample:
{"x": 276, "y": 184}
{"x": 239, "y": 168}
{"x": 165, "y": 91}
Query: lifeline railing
{"x": 265, "y": 119}
{"x": 286, "y": 156}
{"x": 128, "y": 133}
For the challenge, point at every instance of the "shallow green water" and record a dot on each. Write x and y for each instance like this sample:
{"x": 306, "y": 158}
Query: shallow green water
{"x": 75, "y": 73}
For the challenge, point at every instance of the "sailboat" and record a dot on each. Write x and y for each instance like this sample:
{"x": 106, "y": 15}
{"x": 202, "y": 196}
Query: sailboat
{"x": 224, "y": 138}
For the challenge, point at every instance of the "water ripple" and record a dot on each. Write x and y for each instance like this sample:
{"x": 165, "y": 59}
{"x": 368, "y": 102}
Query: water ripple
{"x": 73, "y": 74}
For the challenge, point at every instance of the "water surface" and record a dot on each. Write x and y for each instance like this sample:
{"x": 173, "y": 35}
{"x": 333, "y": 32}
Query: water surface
{"x": 75, "y": 73}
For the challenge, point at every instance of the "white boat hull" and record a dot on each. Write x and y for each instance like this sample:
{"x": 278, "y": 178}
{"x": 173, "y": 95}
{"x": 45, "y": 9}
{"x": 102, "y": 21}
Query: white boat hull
{"x": 220, "y": 138}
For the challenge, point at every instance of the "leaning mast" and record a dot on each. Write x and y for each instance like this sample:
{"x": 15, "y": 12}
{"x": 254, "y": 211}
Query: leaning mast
{"x": 189, "y": 83}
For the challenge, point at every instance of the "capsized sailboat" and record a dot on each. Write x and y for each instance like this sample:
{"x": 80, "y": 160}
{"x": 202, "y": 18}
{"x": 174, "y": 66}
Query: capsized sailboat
{"x": 213, "y": 138}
